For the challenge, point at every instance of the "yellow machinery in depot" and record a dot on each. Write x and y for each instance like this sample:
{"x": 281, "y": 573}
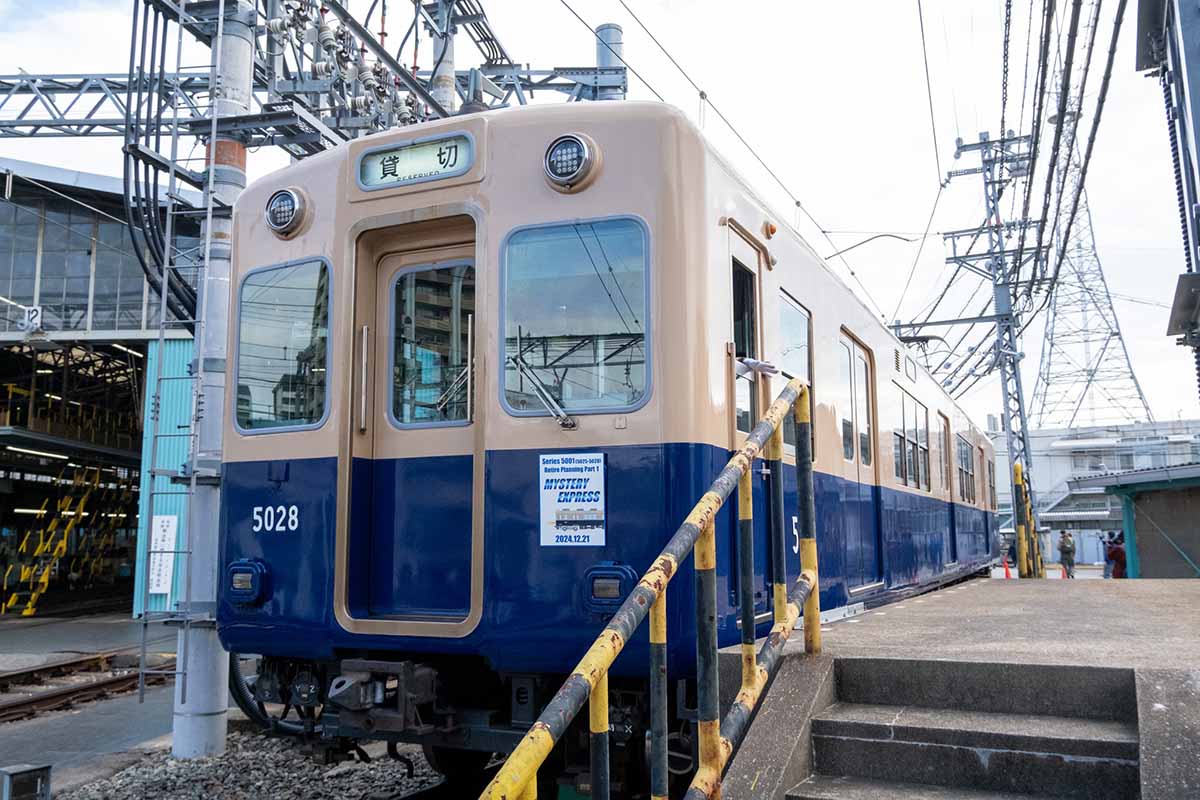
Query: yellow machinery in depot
{"x": 42, "y": 549}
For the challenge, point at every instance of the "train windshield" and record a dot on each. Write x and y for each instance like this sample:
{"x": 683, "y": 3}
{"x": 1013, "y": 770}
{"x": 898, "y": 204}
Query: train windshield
{"x": 283, "y": 332}
{"x": 575, "y": 316}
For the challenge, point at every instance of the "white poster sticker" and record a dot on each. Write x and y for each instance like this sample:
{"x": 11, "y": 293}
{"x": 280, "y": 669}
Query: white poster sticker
{"x": 162, "y": 556}
{"x": 572, "y": 499}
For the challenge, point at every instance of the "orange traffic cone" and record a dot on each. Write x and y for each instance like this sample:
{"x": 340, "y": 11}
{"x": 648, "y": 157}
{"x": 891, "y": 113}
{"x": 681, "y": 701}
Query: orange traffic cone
{"x": 1064, "y": 572}
{"x": 1007, "y": 574}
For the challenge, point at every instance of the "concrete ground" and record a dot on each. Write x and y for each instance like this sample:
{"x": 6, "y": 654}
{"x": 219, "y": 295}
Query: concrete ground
{"x": 1117, "y": 623}
{"x": 32, "y": 641}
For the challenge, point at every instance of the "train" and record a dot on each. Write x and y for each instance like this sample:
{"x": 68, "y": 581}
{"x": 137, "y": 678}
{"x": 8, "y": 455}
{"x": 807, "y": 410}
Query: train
{"x": 483, "y": 366}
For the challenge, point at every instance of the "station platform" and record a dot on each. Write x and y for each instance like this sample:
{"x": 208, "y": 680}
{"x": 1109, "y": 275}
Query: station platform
{"x": 989, "y": 689}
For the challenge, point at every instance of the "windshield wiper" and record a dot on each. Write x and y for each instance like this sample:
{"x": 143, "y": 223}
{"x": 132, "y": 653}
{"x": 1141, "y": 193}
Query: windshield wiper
{"x": 459, "y": 381}
{"x": 543, "y": 394}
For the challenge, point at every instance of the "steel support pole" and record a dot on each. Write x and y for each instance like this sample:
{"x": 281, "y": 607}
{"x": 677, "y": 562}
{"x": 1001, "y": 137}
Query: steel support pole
{"x": 200, "y": 717}
{"x": 775, "y": 515}
{"x": 610, "y": 51}
{"x": 745, "y": 512}
{"x": 707, "y": 681}
{"x": 598, "y": 725}
{"x": 442, "y": 82}
{"x": 659, "y": 774}
{"x": 807, "y": 520}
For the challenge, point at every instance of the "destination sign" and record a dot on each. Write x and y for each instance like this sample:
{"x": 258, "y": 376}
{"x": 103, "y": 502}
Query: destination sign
{"x": 414, "y": 163}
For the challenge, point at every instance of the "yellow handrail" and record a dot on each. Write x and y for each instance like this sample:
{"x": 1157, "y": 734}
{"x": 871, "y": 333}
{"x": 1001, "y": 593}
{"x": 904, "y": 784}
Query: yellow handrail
{"x": 517, "y": 778}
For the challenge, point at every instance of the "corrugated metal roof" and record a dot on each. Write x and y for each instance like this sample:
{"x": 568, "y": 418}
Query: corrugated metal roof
{"x": 1177, "y": 472}
{"x": 64, "y": 179}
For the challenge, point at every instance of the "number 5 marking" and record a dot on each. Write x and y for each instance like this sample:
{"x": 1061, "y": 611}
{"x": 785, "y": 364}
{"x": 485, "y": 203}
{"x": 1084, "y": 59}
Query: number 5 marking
{"x": 796, "y": 533}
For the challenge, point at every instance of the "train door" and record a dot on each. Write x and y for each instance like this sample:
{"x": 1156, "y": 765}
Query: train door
{"x": 749, "y": 401}
{"x": 416, "y": 331}
{"x": 860, "y": 518}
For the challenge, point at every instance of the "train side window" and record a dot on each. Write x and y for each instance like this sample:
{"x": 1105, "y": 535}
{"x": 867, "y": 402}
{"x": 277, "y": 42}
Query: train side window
{"x": 432, "y": 317}
{"x": 984, "y": 494}
{"x": 862, "y": 401}
{"x": 845, "y": 398}
{"x": 575, "y": 309}
{"x": 966, "y": 471}
{"x": 282, "y": 347}
{"x": 744, "y": 343}
{"x": 943, "y": 451}
{"x": 911, "y": 436}
{"x": 991, "y": 470}
{"x": 795, "y": 355}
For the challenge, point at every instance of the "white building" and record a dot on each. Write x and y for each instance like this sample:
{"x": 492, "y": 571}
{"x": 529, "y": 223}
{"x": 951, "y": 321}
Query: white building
{"x": 1060, "y": 455}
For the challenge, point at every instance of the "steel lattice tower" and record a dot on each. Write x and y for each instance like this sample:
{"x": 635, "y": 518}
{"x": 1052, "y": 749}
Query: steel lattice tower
{"x": 1085, "y": 376}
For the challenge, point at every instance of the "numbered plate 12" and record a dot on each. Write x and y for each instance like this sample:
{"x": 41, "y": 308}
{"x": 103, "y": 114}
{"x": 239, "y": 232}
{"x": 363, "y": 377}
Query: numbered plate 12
{"x": 416, "y": 162}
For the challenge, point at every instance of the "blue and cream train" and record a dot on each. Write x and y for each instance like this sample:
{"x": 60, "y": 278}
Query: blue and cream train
{"x": 482, "y": 368}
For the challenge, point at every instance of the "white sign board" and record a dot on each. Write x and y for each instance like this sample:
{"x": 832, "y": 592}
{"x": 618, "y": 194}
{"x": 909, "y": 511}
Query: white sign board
{"x": 162, "y": 556}
{"x": 414, "y": 163}
{"x": 31, "y": 319}
{"x": 572, "y": 499}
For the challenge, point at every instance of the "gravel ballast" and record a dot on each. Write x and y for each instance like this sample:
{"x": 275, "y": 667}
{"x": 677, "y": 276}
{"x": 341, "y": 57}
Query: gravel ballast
{"x": 257, "y": 766}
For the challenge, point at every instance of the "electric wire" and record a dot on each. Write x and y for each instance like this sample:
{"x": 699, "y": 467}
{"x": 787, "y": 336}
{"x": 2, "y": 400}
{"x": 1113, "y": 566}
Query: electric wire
{"x": 920, "y": 249}
{"x": 595, "y": 35}
{"x": 734, "y": 130}
{"x": 1072, "y": 142}
{"x": 1055, "y": 148}
{"x": 1087, "y": 158}
{"x": 937, "y": 158}
{"x": 1039, "y": 102}
{"x": 1004, "y": 68}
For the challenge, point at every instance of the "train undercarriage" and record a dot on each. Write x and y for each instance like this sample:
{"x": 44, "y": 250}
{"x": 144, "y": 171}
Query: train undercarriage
{"x": 463, "y": 715}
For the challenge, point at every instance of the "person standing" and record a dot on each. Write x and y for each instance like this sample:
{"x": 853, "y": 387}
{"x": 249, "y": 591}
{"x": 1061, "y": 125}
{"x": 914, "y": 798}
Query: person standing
{"x": 1116, "y": 552}
{"x": 1109, "y": 538}
{"x": 1066, "y": 553}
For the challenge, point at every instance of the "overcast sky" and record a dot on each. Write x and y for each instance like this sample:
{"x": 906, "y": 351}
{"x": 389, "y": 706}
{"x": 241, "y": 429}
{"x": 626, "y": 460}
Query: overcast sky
{"x": 833, "y": 97}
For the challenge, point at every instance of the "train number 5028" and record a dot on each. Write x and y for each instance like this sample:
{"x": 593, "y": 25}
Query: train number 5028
{"x": 275, "y": 518}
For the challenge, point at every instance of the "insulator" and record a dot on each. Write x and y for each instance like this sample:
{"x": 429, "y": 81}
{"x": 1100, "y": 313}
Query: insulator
{"x": 361, "y": 105}
{"x": 277, "y": 26}
{"x": 325, "y": 37}
{"x": 322, "y": 70}
{"x": 369, "y": 81}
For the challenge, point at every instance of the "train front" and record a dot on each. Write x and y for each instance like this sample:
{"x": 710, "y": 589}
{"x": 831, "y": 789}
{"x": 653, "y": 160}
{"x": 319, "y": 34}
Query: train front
{"x": 449, "y": 452}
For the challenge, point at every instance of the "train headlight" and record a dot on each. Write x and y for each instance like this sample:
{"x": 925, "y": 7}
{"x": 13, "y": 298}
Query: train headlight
{"x": 247, "y": 582}
{"x": 569, "y": 160}
{"x": 285, "y": 211}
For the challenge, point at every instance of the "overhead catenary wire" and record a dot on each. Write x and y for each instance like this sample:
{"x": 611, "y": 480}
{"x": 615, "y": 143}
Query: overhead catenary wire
{"x": 937, "y": 158}
{"x": 620, "y": 57}
{"x": 920, "y": 249}
{"x": 707, "y": 101}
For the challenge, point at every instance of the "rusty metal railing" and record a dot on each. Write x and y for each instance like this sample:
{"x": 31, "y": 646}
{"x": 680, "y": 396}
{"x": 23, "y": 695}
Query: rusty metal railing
{"x": 517, "y": 778}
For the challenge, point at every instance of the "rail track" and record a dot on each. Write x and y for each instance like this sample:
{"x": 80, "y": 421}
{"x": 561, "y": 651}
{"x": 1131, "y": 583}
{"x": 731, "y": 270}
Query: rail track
{"x": 52, "y": 697}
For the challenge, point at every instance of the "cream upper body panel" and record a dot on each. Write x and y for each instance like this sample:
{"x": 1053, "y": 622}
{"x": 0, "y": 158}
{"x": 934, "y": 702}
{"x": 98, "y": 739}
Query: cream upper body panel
{"x": 655, "y": 167}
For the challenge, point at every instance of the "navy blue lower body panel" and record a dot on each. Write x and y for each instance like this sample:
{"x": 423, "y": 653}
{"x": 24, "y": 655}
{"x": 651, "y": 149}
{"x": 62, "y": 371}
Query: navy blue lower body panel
{"x": 420, "y": 537}
{"x": 409, "y": 553}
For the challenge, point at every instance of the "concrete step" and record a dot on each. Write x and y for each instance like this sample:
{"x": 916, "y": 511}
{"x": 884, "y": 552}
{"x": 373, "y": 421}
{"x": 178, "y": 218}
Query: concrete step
{"x": 1032, "y": 754}
{"x": 825, "y": 787}
{"x": 1102, "y": 693}
{"x": 1067, "y": 736}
